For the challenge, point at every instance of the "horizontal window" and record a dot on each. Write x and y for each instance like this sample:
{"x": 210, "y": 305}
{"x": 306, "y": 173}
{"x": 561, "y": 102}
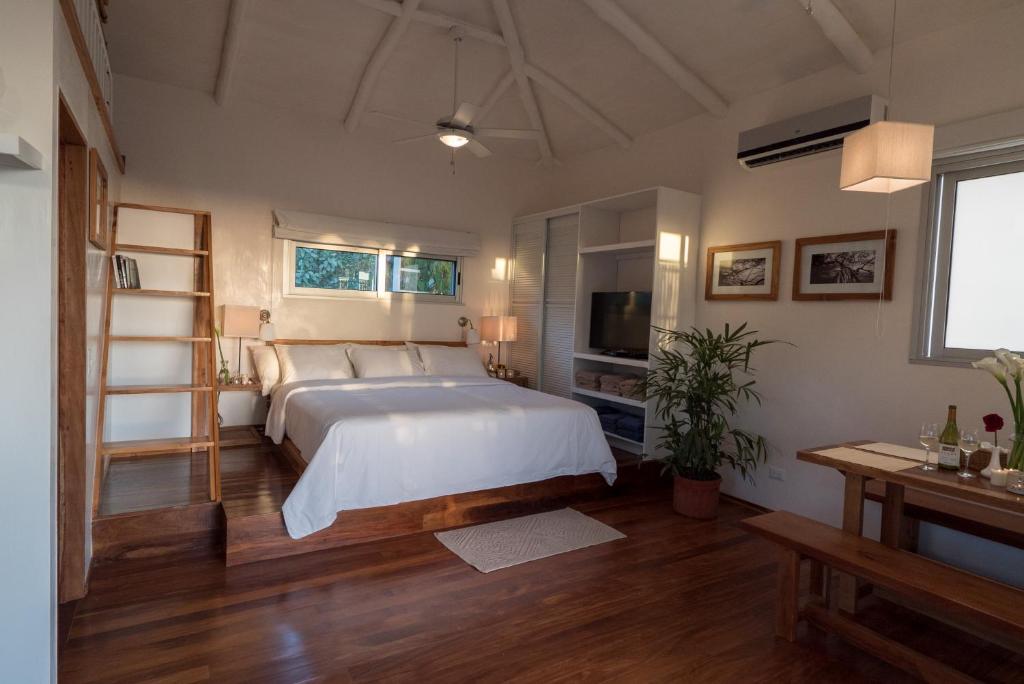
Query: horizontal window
{"x": 971, "y": 270}
{"x": 335, "y": 271}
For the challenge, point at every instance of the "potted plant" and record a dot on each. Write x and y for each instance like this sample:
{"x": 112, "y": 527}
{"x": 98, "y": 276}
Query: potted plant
{"x": 694, "y": 385}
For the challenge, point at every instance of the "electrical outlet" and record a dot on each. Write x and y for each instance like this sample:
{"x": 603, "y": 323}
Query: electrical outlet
{"x": 776, "y": 473}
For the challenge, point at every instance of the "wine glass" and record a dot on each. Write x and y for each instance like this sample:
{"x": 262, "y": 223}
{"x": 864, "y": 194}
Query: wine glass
{"x": 968, "y": 445}
{"x": 929, "y": 437}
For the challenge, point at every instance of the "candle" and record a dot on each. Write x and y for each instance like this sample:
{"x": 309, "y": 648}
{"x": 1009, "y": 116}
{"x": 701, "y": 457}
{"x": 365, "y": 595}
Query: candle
{"x": 999, "y": 476}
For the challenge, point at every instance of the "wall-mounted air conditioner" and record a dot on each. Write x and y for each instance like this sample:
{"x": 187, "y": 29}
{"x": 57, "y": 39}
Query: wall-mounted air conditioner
{"x": 806, "y": 134}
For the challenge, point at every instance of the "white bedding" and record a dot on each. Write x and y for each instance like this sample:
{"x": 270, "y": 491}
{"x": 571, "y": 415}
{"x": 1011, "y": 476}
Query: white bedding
{"x": 377, "y": 442}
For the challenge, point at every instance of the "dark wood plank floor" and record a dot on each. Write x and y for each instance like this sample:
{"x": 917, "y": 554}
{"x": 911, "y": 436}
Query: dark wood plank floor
{"x": 677, "y": 600}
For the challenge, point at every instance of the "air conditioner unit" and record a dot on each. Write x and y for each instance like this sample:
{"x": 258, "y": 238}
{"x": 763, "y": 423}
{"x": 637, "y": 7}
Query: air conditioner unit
{"x": 806, "y": 134}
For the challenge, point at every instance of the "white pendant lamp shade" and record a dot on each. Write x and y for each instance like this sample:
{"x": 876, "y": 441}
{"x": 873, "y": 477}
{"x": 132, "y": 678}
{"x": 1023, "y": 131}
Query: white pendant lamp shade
{"x": 887, "y": 156}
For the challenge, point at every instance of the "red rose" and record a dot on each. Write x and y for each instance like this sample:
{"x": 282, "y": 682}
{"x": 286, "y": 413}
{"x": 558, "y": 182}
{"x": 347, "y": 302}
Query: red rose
{"x": 993, "y": 422}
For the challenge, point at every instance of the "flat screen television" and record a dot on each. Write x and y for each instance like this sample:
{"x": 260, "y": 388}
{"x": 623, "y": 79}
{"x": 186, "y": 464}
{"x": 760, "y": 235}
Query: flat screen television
{"x": 620, "y": 322}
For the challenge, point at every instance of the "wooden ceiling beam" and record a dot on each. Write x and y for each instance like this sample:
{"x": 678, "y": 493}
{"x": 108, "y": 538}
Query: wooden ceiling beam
{"x": 436, "y": 19}
{"x": 229, "y": 50}
{"x": 387, "y": 45}
{"x": 577, "y": 103}
{"x": 838, "y": 30}
{"x": 609, "y": 12}
{"x": 492, "y": 98}
{"x": 517, "y": 58}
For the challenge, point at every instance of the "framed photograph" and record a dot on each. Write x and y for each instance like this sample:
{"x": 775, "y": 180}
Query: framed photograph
{"x": 99, "y": 210}
{"x": 849, "y": 266}
{"x": 743, "y": 271}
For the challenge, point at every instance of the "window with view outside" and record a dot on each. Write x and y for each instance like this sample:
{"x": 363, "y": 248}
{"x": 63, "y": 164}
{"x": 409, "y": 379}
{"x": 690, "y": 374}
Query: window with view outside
{"x": 984, "y": 273}
{"x": 332, "y": 269}
{"x": 421, "y": 275}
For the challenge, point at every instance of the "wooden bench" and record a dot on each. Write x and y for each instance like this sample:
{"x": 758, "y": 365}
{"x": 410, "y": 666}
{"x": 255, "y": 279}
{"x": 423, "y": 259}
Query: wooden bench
{"x": 963, "y": 597}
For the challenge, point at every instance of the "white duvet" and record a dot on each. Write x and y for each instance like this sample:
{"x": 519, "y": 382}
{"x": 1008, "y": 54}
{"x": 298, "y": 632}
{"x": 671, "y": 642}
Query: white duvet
{"x": 376, "y": 442}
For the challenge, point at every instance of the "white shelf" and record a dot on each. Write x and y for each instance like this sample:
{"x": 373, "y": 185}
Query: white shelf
{"x": 17, "y": 152}
{"x": 620, "y": 248}
{"x": 609, "y": 397}
{"x": 624, "y": 439}
{"x": 615, "y": 360}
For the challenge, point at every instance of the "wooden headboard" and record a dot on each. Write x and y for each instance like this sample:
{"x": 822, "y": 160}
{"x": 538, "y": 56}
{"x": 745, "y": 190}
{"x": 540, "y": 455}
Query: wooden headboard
{"x": 383, "y": 343}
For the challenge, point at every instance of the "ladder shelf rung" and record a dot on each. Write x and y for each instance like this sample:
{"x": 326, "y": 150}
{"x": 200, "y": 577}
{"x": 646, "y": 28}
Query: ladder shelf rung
{"x": 155, "y": 389}
{"x": 158, "y": 338}
{"x": 167, "y": 445}
{"x": 158, "y": 293}
{"x": 169, "y": 251}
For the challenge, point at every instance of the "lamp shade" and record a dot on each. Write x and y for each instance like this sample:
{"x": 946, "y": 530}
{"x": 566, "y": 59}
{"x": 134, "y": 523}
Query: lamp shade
{"x": 498, "y": 328}
{"x": 887, "y": 156}
{"x": 267, "y": 332}
{"x": 240, "y": 321}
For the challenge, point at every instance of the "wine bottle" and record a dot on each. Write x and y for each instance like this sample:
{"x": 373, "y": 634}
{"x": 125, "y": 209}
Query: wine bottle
{"x": 949, "y": 443}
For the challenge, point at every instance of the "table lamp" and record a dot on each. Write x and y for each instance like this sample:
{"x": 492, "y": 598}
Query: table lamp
{"x": 498, "y": 329}
{"x": 241, "y": 322}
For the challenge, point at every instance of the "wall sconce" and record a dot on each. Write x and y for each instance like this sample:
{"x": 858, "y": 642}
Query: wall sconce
{"x": 267, "y": 332}
{"x": 471, "y": 334}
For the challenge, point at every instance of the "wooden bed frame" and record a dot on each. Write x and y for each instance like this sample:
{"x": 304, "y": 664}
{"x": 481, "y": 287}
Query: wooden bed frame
{"x": 259, "y": 537}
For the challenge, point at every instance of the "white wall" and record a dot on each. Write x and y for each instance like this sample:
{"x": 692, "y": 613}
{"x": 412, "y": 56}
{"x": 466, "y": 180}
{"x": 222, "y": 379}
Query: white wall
{"x": 243, "y": 160}
{"x": 27, "y": 410}
{"x": 74, "y": 87}
{"x": 848, "y": 376}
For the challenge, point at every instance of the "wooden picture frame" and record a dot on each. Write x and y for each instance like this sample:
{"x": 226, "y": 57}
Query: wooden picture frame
{"x": 99, "y": 205}
{"x": 719, "y": 280}
{"x": 824, "y": 283}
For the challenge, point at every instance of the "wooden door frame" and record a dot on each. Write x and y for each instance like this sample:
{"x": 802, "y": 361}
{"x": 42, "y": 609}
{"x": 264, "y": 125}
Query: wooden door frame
{"x": 72, "y": 212}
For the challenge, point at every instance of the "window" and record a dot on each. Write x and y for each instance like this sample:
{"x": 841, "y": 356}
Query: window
{"x": 973, "y": 245}
{"x": 316, "y": 270}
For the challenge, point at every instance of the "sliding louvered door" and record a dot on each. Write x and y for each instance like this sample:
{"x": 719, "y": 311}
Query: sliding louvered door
{"x": 559, "y": 305}
{"x": 527, "y": 292}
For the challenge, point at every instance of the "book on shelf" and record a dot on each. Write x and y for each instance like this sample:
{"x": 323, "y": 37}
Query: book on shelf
{"x": 126, "y": 272}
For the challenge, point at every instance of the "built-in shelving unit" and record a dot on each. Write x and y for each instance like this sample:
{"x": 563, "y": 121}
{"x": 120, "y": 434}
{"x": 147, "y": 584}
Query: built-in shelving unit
{"x": 617, "y": 360}
{"x": 635, "y": 247}
{"x": 17, "y": 152}
{"x": 604, "y": 396}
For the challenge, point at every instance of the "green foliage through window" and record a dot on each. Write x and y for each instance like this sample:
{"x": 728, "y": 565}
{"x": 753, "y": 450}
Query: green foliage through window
{"x": 332, "y": 269}
{"x": 421, "y": 274}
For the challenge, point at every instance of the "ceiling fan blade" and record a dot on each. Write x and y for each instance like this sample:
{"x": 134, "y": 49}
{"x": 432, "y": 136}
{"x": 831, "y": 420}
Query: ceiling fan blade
{"x": 477, "y": 148}
{"x": 512, "y": 133}
{"x": 464, "y": 115}
{"x": 403, "y": 119}
{"x": 428, "y": 136}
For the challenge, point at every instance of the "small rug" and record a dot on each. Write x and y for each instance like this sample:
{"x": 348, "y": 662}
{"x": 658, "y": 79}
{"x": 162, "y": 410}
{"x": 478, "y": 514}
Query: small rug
{"x": 505, "y": 543}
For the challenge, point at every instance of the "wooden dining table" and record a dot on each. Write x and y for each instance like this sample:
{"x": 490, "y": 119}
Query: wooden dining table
{"x": 859, "y": 465}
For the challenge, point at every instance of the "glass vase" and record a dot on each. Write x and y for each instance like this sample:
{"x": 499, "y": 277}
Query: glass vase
{"x": 1015, "y": 459}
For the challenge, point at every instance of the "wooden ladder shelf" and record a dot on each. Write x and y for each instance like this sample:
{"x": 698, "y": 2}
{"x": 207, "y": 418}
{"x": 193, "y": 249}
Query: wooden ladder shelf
{"x": 205, "y": 433}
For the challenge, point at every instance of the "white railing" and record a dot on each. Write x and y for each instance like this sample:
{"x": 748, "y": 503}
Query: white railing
{"x": 92, "y": 29}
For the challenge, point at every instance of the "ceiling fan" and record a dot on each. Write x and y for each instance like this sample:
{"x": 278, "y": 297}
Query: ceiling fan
{"x": 456, "y": 130}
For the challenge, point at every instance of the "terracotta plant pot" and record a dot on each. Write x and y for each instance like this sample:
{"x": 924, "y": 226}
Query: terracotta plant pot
{"x": 696, "y": 498}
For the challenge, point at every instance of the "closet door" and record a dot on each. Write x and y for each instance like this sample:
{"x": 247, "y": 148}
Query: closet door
{"x": 527, "y": 297}
{"x": 559, "y": 315}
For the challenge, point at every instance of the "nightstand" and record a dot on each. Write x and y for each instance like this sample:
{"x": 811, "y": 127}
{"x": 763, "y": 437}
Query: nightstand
{"x": 520, "y": 380}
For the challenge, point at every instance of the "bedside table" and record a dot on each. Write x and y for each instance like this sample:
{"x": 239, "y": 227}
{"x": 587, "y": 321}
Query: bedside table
{"x": 520, "y": 380}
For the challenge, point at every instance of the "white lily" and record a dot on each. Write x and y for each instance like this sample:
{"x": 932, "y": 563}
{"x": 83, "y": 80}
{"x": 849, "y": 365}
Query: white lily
{"x": 1013, "y": 363}
{"x": 993, "y": 366}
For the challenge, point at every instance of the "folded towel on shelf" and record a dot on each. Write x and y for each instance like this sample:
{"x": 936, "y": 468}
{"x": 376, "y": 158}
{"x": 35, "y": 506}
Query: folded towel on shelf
{"x": 630, "y": 388}
{"x": 610, "y": 383}
{"x": 609, "y": 421}
{"x": 588, "y": 379}
{"x": 628, "y": 421}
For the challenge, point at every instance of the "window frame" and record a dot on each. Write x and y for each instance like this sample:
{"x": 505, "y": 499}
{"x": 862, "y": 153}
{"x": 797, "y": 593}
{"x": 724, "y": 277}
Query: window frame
{"x": 381, "y": 292}
{"x": 936, "y": 251}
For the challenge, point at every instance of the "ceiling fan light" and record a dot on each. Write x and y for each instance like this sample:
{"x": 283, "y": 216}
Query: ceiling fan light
{"x": 887, "y": 156}
{"x": 452, "y": 138}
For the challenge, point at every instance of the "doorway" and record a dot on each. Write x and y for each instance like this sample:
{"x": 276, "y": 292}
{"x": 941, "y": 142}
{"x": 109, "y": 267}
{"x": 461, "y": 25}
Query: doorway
{"x": 72, "y": 231}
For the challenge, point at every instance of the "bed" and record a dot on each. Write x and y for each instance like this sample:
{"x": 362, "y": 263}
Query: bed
{"x": 364, "y": 443}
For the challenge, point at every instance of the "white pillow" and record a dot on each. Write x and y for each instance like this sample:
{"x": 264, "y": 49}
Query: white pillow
{"x": 384, "y": 362}
{"x": 438, "y": 360}
{"x": 264, "y": 359}
{"x": 314, "y": 362}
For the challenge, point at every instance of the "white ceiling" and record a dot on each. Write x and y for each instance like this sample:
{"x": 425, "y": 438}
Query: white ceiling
{"x": 310, "y": 55}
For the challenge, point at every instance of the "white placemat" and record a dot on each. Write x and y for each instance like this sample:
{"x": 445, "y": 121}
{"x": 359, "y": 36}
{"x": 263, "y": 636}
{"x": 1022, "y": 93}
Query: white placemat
{"x": 896, "y": 450}
{"x": 868, "y": 459}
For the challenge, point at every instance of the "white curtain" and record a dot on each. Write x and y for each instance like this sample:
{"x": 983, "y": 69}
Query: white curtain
{"x": 338, "y": 230}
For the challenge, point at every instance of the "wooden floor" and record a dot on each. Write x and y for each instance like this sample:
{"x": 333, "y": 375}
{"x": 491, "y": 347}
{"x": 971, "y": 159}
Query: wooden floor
{"x": 677, "y": 600}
